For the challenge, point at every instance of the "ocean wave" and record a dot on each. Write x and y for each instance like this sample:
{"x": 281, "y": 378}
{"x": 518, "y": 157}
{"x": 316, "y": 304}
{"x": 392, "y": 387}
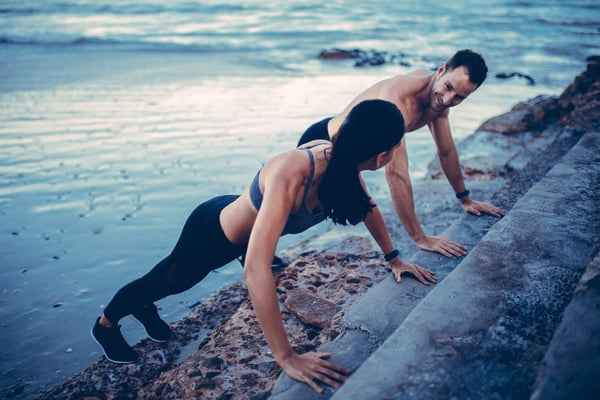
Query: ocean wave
{"x": 54, "y": 42}
{"x": 124, "y": 8}
{"x": 155, "y": 46}
{"x": 580, "y": 22}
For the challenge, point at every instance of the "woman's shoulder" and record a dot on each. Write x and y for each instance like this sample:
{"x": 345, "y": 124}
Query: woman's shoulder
{"x": 297, "y": 164}
{"x": 289, "y": 164}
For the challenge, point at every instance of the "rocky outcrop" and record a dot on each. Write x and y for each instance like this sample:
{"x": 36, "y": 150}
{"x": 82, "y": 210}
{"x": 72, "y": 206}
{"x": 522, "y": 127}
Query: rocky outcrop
{"x": 580, "y": 102}
{"x": 578, "y": 105}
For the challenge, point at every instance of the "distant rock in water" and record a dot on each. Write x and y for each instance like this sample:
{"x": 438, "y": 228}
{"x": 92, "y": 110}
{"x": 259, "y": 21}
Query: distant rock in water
{"x": 364, "y": 58}
{"x": 528, "y": 78}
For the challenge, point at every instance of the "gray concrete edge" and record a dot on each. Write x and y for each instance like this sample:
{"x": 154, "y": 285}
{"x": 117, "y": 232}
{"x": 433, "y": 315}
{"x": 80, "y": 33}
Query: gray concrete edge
{"x": 551, "y": 226}
{"x": 572, "y": 363}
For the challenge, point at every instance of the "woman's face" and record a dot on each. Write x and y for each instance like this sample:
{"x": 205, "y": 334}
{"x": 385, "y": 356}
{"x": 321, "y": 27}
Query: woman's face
{"x": 378, "y": 161}
{"x": 388, "y": 156}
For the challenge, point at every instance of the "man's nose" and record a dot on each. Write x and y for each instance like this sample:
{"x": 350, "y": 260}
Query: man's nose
{"x": 447, "y": 99}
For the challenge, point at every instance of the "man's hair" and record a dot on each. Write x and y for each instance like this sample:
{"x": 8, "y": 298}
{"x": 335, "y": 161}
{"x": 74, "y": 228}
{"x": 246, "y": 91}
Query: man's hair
{"x": 473, "y": 62}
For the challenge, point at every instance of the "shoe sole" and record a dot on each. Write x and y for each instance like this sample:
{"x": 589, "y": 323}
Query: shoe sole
{"x": 151, "y": 338}
{"x": 277, "y": 263}
{"x": 104, "y": 352}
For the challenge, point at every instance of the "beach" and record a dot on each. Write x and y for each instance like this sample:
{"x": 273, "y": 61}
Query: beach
{"x": 104, "y": 151}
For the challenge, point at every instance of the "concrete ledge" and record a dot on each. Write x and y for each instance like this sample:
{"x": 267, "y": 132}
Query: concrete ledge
{"x": 572, "y": 363}
{"x": 482, "y": 331}
{"x": 394, "y": 302}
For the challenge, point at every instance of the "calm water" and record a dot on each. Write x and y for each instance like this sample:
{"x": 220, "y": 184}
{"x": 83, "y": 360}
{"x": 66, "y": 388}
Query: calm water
{"x": 547, "y": 39}
{"x": 117, "y": 118}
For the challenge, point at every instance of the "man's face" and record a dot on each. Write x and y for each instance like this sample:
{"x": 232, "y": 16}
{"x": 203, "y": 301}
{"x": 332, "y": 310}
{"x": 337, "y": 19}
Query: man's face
{"x": 450, "y": 88}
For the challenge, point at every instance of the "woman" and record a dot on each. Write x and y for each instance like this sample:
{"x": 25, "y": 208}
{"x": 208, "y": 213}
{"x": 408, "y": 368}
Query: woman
{"x": 292, "y": 192}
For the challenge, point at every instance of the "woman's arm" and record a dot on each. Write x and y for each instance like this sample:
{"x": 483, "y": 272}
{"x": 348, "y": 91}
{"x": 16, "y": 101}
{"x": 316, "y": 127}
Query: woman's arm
{"x": 283, "y": 181}
{"x": 376, "y": 227}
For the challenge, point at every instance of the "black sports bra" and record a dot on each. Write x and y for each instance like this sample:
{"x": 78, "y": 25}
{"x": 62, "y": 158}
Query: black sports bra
{"x": 301, "y": 220}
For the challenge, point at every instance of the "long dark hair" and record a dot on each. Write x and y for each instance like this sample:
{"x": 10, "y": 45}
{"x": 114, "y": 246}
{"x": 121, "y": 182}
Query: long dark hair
{"x": 371, "y": 127}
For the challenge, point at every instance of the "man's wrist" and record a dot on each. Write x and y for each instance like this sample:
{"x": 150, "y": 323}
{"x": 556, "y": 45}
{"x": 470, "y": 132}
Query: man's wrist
{"x": 464, "y": 194}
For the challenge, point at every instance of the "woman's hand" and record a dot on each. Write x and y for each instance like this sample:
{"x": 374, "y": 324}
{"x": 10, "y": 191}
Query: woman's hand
{"x": 312, "y": 367}
{"x": 422, "y": 274}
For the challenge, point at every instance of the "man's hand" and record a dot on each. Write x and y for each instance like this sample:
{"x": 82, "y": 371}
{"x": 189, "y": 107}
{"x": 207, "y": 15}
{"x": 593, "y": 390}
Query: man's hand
{"x": 478, "y": 207}
{"x": 422, "y": 274}
{"x": 312, "y": 367}
{"x": 442, "y": 245}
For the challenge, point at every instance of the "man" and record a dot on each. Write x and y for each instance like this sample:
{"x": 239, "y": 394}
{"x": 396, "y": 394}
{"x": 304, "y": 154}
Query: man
{"x": 424, "y": 98}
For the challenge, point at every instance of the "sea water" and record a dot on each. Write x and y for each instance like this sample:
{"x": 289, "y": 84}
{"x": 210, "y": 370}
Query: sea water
{"x": 118, "y": 118}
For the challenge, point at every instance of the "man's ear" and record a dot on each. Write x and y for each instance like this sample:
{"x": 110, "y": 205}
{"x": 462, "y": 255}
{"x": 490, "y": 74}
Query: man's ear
{"x": 441, "y": 69}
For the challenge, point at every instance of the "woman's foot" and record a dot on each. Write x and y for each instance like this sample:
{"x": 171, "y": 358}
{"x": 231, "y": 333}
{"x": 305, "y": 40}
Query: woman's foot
{"x": 156, "y": 328}
{"x": 113, "y": 344}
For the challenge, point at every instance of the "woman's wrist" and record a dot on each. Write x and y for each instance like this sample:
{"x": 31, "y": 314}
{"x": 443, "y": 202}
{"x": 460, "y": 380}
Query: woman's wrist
{"x": 391, "y": 255}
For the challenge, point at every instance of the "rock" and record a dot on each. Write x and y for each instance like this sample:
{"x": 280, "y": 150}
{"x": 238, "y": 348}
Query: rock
{"x": 310, "y": 308}
{"x": 535, "y": 114}
{"x": 580, "y": 101}
{"x": 340, "y": 54}
{"x": 528, "y": 78}
{"x": 578, "y": 105}
{"x": 363, "y": 57}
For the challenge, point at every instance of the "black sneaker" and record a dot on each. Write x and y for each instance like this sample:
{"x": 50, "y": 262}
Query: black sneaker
{"x": 156, "y": 328}
{"x": 275, "y": 264}
{"x": 113, "y": 344}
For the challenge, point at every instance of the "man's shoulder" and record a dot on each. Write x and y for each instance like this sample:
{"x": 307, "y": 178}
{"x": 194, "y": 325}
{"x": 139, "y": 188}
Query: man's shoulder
{"x": 409, "y": 83}
{"x": 412, "y": 75}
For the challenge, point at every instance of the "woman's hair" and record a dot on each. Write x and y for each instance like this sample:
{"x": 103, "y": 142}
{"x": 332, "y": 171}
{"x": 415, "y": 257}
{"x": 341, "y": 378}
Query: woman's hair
{"x": 372, "y": 127}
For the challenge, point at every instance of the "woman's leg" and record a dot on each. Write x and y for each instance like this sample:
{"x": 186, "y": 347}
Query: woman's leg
{"x": 201, "y": 248}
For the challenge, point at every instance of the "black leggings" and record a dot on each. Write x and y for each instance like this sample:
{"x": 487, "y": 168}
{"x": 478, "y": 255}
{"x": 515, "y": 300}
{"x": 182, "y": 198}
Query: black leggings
{"x": 201, "y": 248}
{"x": 318, "y": 130}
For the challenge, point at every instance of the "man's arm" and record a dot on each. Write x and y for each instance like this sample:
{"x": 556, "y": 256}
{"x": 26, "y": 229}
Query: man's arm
{"x": 402, "y": 196}
{"x": 448, "y": 155}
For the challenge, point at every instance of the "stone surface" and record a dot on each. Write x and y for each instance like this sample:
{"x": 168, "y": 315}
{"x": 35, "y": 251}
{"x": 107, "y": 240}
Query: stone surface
{"x": 572, "y": 362}
{"x": 312, "y": 309}
{"x": 482, "y": 331}
{"x": 519, "y": 166}
{"x": 534, "y": 114}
